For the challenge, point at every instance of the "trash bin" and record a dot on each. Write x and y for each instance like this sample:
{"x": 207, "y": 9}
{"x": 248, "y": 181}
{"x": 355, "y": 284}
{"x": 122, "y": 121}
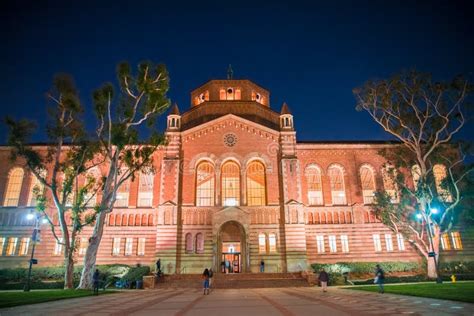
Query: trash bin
{"x": 139, "y": 284}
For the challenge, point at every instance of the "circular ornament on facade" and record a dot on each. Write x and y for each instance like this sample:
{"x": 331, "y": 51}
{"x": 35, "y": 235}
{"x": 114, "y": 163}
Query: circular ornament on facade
{"x": 230, "y": 139}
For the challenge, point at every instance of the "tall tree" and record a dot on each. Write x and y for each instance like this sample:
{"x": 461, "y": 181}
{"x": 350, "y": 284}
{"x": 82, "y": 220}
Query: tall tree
{"x": 424, "y": 116}
{"x": 68, "y": 156}
{"x": 141, "y": 99}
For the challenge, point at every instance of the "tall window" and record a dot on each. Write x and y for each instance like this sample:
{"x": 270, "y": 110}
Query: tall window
{"x": 83, "y": 246}
{"x": 145, "y": 189}
{"x": 58, "y": 247}
{"x": 2, "y": 244}
{"x": 400, "y": 242}
{"x": 35, "y": 186}
{"x": 416, "y": 174}
{"x": 368, "y": 184}
{"x": 320, "y": 243}
{"x": 11, "y": 246}
{"x": 272, "y": 242}
{"x": 377, "y": 243}
{"x": 344, "y": 243}
{"x": 199, "y": 243}
{"x": 116, "y": 246}
{"x": 262, "y": 243}
{"x": 336, "y": 177}
{"x": 315, "y": 189}
{"x": 230, "y": 184}
{"x": 256, "y": 183}
{"x": 128, "y": 246}
{"x": 205, "y": 184}
{"x": 123, "y": 192}
{"x": 24, "y": 245}
{"x": 189, "y": 242}
{"x": 445, "y": 244}
{"x": 388, "y": 242}
{"x": 332, "y": 243}
{"x": 388, "y": 176}
{"x": 456, "y": 238}
{"x": 439, "y": 172}
{"x": 141, "y": 246}
{"x": 15, "y": 180}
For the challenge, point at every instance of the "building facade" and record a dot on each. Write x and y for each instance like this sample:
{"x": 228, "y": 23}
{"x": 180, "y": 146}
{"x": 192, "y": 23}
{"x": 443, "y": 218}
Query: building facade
{"x": 231, "y": 188}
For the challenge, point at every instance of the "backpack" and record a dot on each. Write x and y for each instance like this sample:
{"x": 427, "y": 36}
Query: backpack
{"x": 211, "y": 273}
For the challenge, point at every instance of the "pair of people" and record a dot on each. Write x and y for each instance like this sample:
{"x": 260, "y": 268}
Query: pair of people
{"x": 207, "y": 276}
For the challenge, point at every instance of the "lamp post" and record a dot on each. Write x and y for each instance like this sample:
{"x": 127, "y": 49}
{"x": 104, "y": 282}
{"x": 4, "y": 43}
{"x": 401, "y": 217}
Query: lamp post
{"x": 34, "y": 239}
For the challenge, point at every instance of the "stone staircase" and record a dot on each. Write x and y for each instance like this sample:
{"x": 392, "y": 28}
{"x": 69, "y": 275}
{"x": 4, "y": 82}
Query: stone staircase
{"x": 234, "y": 281}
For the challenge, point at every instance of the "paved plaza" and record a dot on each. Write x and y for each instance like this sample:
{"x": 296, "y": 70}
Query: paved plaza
{"x": 228, "y": 302}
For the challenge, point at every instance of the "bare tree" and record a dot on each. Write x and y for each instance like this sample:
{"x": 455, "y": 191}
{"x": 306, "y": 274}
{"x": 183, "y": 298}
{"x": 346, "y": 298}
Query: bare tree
{"x": 424, "y": 116}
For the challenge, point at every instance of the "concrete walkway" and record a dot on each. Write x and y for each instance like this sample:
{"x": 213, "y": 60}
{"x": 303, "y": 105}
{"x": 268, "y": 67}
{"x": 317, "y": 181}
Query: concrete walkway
{"x": 273, "y": 301}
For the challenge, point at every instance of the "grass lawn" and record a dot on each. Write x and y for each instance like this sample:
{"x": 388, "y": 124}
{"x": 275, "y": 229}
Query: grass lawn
{"x": 461, "y": 291}
{"x": 15, "y": 298}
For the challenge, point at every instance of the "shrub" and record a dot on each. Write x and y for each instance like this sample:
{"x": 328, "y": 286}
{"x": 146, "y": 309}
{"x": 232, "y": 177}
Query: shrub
{"x": 136, "y": 274}
{"x": 457, "y": 267}
{"x": 366, "y": 267}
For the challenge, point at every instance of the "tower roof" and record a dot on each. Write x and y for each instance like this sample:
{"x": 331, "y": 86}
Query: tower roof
{"x": 174, "y": 110}
{"x": 285, "y": 109}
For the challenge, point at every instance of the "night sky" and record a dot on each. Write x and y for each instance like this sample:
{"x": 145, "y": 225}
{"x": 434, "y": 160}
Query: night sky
{"x": 308, "y": 55}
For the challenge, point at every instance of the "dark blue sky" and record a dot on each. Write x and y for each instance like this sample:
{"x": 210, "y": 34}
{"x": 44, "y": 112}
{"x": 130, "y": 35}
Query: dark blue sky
{"x": 308, "y": 55}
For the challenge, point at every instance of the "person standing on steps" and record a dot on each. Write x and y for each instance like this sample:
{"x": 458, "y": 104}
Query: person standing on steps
{"x": 379, "y": 278}
{"x": 205, "y": 276}
{"x": 262, "y": 266}
{"x": 211, "y": 275}
{"x": 324, "y": 279}
{"x": 158, "y": 267}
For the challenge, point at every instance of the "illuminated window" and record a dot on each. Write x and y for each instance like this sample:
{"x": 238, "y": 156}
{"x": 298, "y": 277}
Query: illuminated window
{"x": 456, "y": 238}
{"x": 256, "y": 183}
{"x": 83, "y": 246}
{"x": 145, "y": 189}
{"x": 445, "y": 244}
{"x": 24, "y": 245}
{"x": 332, "y": 244}
{"x": 35, "y": 185}
{"x": 257, "y": 97}
{"x": 237, "y": 94}
{"x": 315, "y": 190}
{"x": 11, "y": 246}
{"x": 368, "y": 184}
{"x": 388, "y": 175}
{"x": 416, "y": 174}
{"x": 128, "y": 246}
{"x": 122, "y": 192}
{"x": 58, "y": 247}
{"x": 15, "y": 180}
{"x": 388, "y": 242}
{"x": 336, "y": 177}
{"x": 116, "y": 246}
{"x": 205, "y": 184}
{"x": 400, "y": 242}
{"x": 377, "y": 243}
{"x": 229, "y": 94}
{"x": 199, "y": 243}
{"x": 141, "y": 246}
{"x": 189, "y": 242}
{"x": 2, "y": 244}
{"x": 222, "y": 94}
{"x": 344, "y": 243}
{"x": 320, "y": 243}
{"x": 230, "y": 184}
{"x": 262, "y": 243}
{"x": 440, "y": 174}
{"x": 272, "y": 242}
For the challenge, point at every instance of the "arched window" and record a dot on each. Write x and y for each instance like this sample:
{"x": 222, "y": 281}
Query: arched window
{"x": 124, "y": 220}
{"x": 189, "y": 242}
{"x": 36, "y": 187}
{"x": 199, "y": 243}
{"x": 123, "y": 192}
{"x": 145, "y": 188}
{"x": 272, "y": 242}
{"x": 138, "y": 220}
{"x": 230, "y": 184}
{"x": 440, "y": 173}
{"x": 111, "y": 220}
{"x": 310, "y": 218}
{"x": 336, "y": 178}
{"x": 15, "y": 180}
{"x": 131, "y": 220}
{"x": 368, "y": 184}
{"x": 205, "y": 184}
{"x": 416, "y": 175}
{"x": 315, "y": 189}
{"x": 256, "y": 183}
{"x": 262, "y": 243}
{"x": 150, "y": 220}
{"x": 388, "y": 175}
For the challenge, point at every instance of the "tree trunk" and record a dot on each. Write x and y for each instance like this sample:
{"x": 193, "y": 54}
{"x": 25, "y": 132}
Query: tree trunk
{"x": 69, "y": 273}
{"x": 432, "y": 274}
{"x": 433, "y": 262}
{"x": 91, "y": 252}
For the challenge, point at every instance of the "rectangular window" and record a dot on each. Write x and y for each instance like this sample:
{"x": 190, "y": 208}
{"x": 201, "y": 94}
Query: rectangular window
{"x": 58, "y": 247}
{"x": 368, "y": 196}
{"x": 116, "y": 246}
{"x": 145, "y": 189}
{"x": 377, "y": 243}
{"x": 400, "y": 242}
{"x": 320, "y": 243}
{"x": 445, "y": 244}
{"x": 262, "y": 247}
{"x": 24, "y": 245}
{"x": 2, "y": 244}
{"x": 315, "y": 197}
{"x": 345, "y": 243}
{"x": 272, "y": 242}
{"x": 457, "y": 243}
{"x": 11, "y": 246}
{"x": 128, "y": 246}
{"x": 83, "y": 246}
{"x": 141, "y": 246}
{"x": 332, "y": 244}
{"x": 388, "y": 242}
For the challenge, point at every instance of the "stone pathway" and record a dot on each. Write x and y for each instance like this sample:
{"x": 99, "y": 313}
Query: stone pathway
{"x": 261, "y": 302}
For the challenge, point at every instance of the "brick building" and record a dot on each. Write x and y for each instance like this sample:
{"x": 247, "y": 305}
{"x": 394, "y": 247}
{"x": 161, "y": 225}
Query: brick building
{"x": 233, "y": 185}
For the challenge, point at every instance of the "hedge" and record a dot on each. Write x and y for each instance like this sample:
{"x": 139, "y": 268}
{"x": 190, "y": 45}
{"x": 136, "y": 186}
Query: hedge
{"x": 367, "y": 267}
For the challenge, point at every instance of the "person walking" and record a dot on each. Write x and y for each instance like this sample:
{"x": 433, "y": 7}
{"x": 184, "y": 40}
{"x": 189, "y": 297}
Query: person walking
{"x": 205, "y": 276}
{"x": 211, "y": 275}
{"x": 324, "y": 279}
{"x": 158, "y": 267}
{"x": 379, "y": 278}
{"x": 262, "y": 266}
{"x": 95, "y": 281}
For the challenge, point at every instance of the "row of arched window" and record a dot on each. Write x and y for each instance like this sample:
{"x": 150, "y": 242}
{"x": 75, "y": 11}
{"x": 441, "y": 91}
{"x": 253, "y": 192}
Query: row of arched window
{"x": 196, "y": 244}
{"x": 131, "y": 220}
{"x": 329, "y": 217}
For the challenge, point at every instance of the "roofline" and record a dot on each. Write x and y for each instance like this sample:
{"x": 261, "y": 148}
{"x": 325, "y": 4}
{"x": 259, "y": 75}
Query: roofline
{"x": 248, "y": 80}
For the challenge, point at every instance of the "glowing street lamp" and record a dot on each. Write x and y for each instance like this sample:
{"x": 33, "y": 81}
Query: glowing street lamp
{"x": 34, "y": 239}
{"x": 434, "y": 211}
{"x": 419, "y": 216}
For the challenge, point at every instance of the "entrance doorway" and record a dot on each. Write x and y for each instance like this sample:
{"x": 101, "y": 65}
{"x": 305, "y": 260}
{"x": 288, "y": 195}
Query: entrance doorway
{"x": 232, "y": 248}
{"x": 231, "y": 257}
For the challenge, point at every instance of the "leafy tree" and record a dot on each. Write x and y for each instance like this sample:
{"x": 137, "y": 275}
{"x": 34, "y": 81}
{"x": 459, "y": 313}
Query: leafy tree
{"x": 424, "y": 116}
